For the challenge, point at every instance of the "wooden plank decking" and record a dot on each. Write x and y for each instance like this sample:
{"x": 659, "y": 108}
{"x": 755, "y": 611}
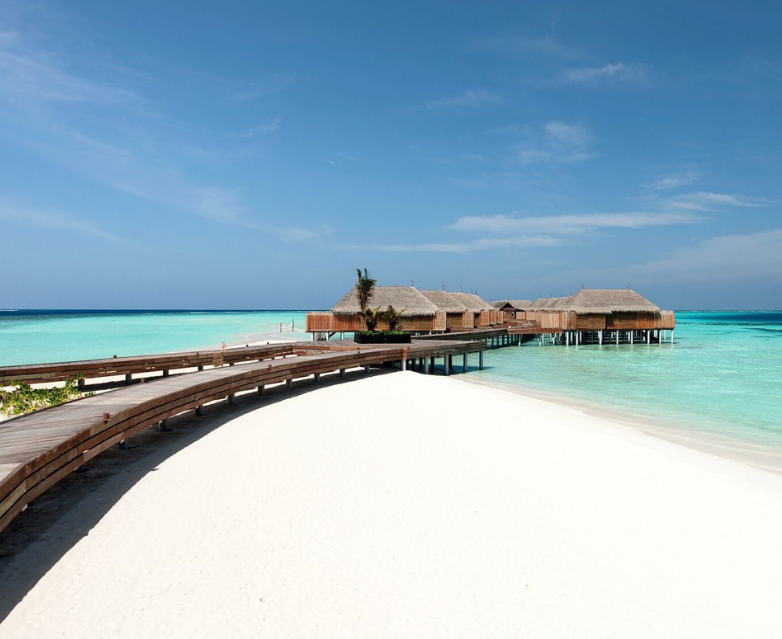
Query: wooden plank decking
{"x": 39, "y": 449}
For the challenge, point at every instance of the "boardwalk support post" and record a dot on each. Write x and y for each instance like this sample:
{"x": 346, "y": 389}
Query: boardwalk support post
{"x": 199, "y": 410}
{"x": 317, "y": 378}
{"x": 163, "y": 426}
{"x": 128, "y": 378}
{"x": 289, "y": 383}
{"x": 342, "y": 372}
{"x": 480, "y": 360}
{"x": 260, "y": 390}
{"x": 464, "y": 363}
{"x": 232, "y": 399}
{"x": 123, "y": 444}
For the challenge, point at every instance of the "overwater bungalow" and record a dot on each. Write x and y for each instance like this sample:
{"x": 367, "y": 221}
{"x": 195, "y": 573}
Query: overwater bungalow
{"x": 510, "y": 308}
{"x": 484, "y": 313}
{"x": 457, "y": 315}
{"x": 599, "y": 315}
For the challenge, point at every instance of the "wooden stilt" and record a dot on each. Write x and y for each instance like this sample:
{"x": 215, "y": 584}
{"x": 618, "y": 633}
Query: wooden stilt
{"x": 199, "y": 410}
{"x": 123, "y": 444}
{"x": 232, "y": 399}
{"x": 464, "y": 363}
{"x": 447, "y": 364}
{"x": 165, "y": 373}
{"x": 260, "y": 390}
{"x": 480, "y": 360}
{"x": 163, "y": 427}
{"x": 128, "y": 378}
{"x": 200, "y": 367}
{"x": 426, "y": 365}
{"x": 317, "y": 378}
{"x": 289, "y": 383}
{"x": 342, "y": 372}
{"x": 404, "y": 364}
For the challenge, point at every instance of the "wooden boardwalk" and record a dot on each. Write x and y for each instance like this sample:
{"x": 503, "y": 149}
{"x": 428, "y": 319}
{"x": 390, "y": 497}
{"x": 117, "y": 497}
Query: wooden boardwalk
{"x": 38, "y": 450}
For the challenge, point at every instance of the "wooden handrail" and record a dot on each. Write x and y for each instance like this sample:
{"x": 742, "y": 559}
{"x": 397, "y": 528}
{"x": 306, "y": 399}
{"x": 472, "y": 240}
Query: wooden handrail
{"x": 39, "y": 449}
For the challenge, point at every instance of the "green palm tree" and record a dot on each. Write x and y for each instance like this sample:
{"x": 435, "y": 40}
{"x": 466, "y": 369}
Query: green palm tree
{"x": 365, "y": 286}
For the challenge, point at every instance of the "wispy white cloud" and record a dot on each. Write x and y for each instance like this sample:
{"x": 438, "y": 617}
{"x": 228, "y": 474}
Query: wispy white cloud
{"x": 671, "y": 182}
{"x": 708, "y": 201}
{"x": 26, "y": 75}
{"x": 51, "y": 219}
{"x": 245, "y": 91}
{"x": 261, "y": 130}
{"x": 725, "y": 259}
{"x": 468, "y": 99}
{"x": 524, "y": 45}
{"x": 482, "y": 244}
{"x": 555, "y": 142}
{"x": 567, "y": 224}
{"x": 118, "y": 142}
{"x": 619, "y": 72}
{"x": 343, "y": 159}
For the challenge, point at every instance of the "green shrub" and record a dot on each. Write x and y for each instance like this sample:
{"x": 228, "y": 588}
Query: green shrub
{"x": 23, "y": 399}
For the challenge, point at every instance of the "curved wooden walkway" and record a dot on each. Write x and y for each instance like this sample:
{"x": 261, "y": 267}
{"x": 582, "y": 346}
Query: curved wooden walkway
{"x": 38, "y": 450}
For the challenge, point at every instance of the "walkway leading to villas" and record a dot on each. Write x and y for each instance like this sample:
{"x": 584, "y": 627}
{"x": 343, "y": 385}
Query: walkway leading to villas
{"x": 40, "y": 449}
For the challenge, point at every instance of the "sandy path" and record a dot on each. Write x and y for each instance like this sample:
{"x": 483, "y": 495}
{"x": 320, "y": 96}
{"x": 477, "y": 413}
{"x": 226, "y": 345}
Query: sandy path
{"x": 412, "y": 506}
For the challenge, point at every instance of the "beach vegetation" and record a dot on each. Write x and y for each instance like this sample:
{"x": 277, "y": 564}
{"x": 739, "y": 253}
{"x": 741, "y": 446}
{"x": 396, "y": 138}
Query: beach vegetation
{"x": 20, "y": 398}
{"x": 371, "y": 317}
{"x": 365, "y": 286}
{"x": 394, "y": 319}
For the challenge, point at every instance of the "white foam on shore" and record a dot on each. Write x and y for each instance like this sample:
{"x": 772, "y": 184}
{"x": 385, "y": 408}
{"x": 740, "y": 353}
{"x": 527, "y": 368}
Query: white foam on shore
{"x": 406, "y": 505}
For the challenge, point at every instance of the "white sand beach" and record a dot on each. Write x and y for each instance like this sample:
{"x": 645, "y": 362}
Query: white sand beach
{"x": 405, "y": 505}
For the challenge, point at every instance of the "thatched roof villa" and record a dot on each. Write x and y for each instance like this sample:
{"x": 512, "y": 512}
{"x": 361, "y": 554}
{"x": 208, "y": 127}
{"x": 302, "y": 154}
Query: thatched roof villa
{"x": 592, "y": 312}
{"x": 457, "y": 315}
{"x": 509, "y": 308}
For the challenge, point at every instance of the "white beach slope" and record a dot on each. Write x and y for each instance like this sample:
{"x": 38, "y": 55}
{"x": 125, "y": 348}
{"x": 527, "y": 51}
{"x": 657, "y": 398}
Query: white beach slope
{"x": 406, "y": 505}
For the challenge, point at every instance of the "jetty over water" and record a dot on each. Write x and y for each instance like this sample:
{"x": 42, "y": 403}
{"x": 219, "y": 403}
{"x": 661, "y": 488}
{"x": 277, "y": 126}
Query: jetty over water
{"x": 591, "y": 316}
{"x": 40, "y": 449}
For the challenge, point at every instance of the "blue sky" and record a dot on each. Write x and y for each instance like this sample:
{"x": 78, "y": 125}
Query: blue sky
{"x": 253, "y": 155}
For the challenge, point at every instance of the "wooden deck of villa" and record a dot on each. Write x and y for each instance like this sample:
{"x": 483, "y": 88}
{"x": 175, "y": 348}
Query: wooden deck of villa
{"x": 38, "y": 450}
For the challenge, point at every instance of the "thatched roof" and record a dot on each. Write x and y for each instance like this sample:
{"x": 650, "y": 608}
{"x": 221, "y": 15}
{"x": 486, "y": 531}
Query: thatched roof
{"x": 444, "y": 301}
{"x": 407, "y": 298}
{"x": 602, "y": 301}
{"x": 473, "y": 302}
{"x": 518, "y": 305}
{"x": 548, "y": 303}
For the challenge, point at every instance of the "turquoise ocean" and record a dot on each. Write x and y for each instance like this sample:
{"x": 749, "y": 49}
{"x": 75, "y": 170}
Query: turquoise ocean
{"x": 721, "y": 377}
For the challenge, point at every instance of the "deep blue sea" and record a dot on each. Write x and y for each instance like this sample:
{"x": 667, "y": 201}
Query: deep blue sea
{"x": 722, "y": 375}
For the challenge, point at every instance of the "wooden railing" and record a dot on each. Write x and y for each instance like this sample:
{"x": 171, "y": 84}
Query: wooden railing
{"x": 96, "y": 368}
{"x": 39, "y": 449}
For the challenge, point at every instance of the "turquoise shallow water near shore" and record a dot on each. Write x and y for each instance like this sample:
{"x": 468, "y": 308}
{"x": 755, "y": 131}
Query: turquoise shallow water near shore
{"x": 31, "y": 337}
{"x": 722, "y": 376}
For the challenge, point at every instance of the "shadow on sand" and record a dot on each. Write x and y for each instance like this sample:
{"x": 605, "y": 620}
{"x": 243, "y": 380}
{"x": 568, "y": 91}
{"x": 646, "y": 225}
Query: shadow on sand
{"x": 55, "y": 522}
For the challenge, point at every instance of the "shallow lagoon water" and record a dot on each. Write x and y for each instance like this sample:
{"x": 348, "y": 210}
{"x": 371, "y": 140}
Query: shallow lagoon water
{"x": 32, "y": 337}
{"x": 722, "y": 375}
